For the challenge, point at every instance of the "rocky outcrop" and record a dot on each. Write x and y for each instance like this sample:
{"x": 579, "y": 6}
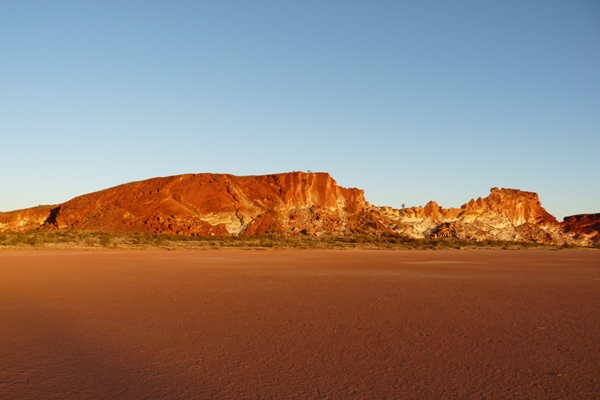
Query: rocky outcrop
{"x": 27, "y": 219}
{"x": 583, "y": 228}
{"x": 517, "y": 206}
{"x": 298, "y": 203}
{"x": 216, "y": 204}
{"x": 506, "y": 214}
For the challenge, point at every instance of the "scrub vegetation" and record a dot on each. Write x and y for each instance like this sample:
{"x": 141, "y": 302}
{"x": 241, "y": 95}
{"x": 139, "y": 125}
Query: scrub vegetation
{"x": 72, "y": 239}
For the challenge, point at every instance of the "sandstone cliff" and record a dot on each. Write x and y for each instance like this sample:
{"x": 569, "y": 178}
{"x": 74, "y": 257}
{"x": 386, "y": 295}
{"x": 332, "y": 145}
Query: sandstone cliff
{"x": 506, "y": 214}
{"x": 27, "y": 219}
{"x": 583, "y": 228}
{"x": 211, "y": 204}
{"x": 298, "y": 203}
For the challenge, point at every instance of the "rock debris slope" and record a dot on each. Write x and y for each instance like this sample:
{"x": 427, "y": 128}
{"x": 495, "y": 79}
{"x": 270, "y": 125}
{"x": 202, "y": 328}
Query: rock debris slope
{"x": 297, "y": 203}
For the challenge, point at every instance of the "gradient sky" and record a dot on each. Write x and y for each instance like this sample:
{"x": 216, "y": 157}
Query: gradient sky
{"x": 408, "y": 100}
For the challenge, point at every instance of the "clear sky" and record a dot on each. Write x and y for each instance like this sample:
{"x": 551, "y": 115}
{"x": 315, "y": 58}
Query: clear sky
{"x": 408, "y": 100}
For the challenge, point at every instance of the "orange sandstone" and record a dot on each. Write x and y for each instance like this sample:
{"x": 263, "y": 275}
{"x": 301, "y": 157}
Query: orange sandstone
{"x": 297, "y": 203}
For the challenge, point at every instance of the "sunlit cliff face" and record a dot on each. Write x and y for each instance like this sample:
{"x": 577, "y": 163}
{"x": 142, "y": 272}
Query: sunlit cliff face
{"x": 295, "y": 203}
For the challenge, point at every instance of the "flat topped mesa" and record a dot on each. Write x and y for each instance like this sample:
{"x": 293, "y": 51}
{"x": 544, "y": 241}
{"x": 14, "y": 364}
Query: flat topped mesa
{"x": 518, "y": 206}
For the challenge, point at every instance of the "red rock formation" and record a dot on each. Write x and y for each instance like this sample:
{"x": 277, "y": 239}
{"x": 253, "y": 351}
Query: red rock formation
{"x": 518, "y": 206}
{"x": 587, "y": 223}
{"x": 29, "y": 218}
{"x": 216, "y": 204}
{"x": 506, "y": 214}
{"x": 434, "y": 211}
{"x": 297, "y": 203}
{"x": 583, "y": 227}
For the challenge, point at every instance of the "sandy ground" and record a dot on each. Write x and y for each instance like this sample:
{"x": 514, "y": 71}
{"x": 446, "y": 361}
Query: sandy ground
{"x": 300, "y": 324}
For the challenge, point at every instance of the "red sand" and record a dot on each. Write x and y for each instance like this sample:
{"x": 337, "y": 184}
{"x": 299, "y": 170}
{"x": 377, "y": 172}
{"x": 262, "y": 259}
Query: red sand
{"x": 300, "y": 324}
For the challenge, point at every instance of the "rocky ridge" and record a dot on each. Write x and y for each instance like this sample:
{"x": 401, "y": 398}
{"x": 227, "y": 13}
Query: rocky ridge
{"x": 298, "y": 203}
{"x": 583, "y": 228}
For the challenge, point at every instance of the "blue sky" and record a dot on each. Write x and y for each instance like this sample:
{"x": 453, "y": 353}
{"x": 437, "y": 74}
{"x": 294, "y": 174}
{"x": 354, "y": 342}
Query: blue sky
{"x": 410, "y": 101}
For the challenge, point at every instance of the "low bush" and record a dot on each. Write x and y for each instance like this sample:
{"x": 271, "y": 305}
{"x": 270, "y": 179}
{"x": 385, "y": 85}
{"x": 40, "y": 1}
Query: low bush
{"x": 86, "y": 239}
{"x": 105, "y": 241}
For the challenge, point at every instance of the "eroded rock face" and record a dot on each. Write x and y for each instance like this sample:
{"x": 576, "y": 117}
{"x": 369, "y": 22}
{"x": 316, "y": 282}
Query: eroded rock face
{"x": 506, "y": 214}
{"x": 517, "y": 206}
{"x": 298, "y": 203}
{"x": 27, "y": 219}
{"x": 583, "y": 228}
{"x": 217, "y": 204}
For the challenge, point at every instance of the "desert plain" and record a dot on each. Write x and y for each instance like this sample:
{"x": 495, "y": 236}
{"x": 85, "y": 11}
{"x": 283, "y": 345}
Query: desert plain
{"x": 318, "y": 324}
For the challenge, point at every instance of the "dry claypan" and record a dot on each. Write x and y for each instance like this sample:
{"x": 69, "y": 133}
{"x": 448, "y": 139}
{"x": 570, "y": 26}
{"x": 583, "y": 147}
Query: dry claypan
{"x": 299, "y": 324}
